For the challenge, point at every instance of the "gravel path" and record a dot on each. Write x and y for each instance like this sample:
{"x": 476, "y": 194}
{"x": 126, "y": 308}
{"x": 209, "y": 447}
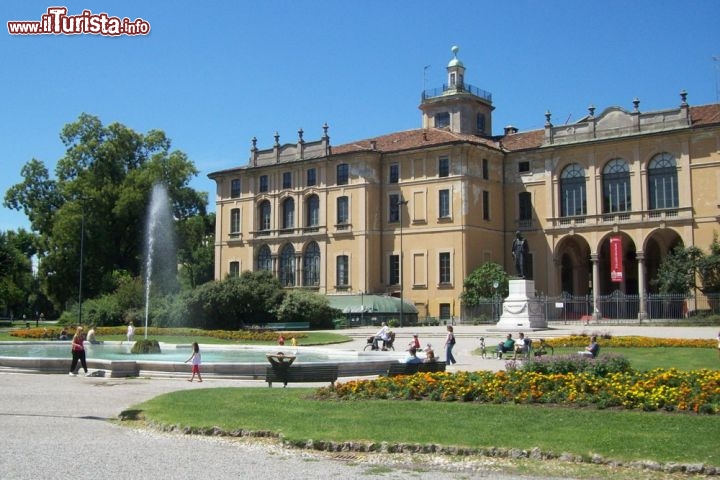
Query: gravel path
{"x": 57, "y": 427}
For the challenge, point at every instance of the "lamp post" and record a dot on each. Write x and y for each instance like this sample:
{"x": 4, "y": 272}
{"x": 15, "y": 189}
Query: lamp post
{"x": 400, "y": 205}
{"x": 82, "y": 245}
{"x": 496, "y": 284}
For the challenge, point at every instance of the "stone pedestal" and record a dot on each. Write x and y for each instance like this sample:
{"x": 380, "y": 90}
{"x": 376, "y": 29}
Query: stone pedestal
{"x": 521, "y": 310}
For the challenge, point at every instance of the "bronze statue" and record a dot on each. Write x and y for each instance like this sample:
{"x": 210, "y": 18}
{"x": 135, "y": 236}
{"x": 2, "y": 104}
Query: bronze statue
{"x": 519, "y": 252}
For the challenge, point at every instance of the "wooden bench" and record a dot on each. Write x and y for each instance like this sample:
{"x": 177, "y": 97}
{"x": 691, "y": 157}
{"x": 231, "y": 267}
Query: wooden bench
{"x": 288, "y": 326}
{"x": 412, "y": 368}
{"x": 302, "y": 373}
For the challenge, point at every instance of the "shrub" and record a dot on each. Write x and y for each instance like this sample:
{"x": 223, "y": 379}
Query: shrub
{"x": 563, "y": 364}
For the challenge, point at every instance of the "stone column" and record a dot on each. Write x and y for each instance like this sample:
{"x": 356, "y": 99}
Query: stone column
{"x": 596, "y": 285}
{"x": 642, "y": 313}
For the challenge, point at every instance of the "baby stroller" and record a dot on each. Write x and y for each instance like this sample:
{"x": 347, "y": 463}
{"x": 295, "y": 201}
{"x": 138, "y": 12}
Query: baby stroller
{"x": 374, "y": 344}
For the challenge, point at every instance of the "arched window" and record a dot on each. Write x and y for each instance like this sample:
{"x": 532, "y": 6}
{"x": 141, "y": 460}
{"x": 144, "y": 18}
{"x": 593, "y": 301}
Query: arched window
{"x": 313, "y": 211}
{"x": 264, "y": 215}
{"x": 264, "y": 260}
{"x": 663, "y": 182}
{"x": 288, "y": 213}
{"x": 287, "y": 266}
{"x": 311, "y": 265}
{"x": 573, "y": 191}
{"x": 616, "y": 186}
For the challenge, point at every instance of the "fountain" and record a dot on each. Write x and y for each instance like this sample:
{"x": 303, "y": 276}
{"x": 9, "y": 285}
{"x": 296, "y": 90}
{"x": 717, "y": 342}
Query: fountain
{"x": 160, "y": 263}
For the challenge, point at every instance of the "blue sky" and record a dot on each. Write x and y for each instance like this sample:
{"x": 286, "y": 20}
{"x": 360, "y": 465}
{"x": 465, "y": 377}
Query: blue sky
{"x": 214, "y": 74}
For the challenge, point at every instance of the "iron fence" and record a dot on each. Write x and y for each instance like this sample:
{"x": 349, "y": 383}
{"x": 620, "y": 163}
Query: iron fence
{"x": 617, "y": 307}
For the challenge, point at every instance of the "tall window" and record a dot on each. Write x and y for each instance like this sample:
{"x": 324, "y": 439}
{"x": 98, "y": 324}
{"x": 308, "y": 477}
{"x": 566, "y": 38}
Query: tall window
{"x": 264, "y": 184}
{"x": 663, "y": 182}
{"x": 525, "y": 208}
{"x": 480, "y": 123}
{"x": 234, "y": 269}
{"x": 442, "y": 120}
{"x": 235, "y": 220}
{"x": 394, "y": 270}
{"x": 444, "y": 263}
{"x": 342, "y": 271}
{"x": 288, "y": 213}
{"x": 265, "y": 215}
{"x": 311, "y": 177}
{"x": 573, "y": 192}
{"x": 287, "y": 266}
{"x": 343, "y": 212}
{"x": 616, "y": 186}
{"x": 486, "y": 205}
{"x": 443, "y": 167}
{"x": 393, "y": 208}
{"x": 444, "y": 311}
{"x": 264, "y": 259}
{"x": 235, "y": 188}
{"x": 343, "y": 172}
{"x": 287, "y": 179}
{"x": 485, "y": 169}
{"x": 313, "y": 211}
{"x": 444, "y": 203}
{"x": 394, "y": 173}
{"x": 311, "y": 265}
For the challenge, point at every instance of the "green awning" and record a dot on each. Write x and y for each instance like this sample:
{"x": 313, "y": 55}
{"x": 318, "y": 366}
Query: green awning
{"x": 370, "y": 304}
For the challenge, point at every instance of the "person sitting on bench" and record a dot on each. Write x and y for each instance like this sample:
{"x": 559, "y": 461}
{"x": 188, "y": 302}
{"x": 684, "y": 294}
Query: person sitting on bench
{"x": 507, "y": 346}
{"x": 592, "y": 349}
{"x": 281, "y": 363}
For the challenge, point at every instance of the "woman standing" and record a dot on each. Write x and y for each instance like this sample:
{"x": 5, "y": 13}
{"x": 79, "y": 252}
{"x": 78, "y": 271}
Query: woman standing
{"x": 78, "y": 352}
{"x": 449, "y": 344}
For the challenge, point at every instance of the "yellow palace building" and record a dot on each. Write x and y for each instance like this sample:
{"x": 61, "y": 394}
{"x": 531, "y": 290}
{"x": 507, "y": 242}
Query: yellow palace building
{"x": 411, "y": 214}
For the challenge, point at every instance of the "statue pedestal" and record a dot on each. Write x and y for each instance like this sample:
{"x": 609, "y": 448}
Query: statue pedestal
{"x": 521, "y": 310}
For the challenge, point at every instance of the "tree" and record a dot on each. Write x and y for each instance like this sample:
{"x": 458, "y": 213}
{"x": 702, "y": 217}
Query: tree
{"x": 98, "y": 200}
{"x": 709, "y": 268}
{"x": 677, "y": 272}
{"x": 18, "y": 286}
{"x": 196, "y": 250}
{"x": 303, "y": 306}
{"x": 480, "y": 284}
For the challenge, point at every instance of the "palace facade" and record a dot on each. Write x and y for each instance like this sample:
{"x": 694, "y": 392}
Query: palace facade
{"x": 411, "y": 214}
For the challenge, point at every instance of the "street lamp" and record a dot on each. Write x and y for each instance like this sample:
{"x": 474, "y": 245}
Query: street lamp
{"x": 402, "y": 276}
{"x": 82, "y": 244}
{"x": 496, "y": 312}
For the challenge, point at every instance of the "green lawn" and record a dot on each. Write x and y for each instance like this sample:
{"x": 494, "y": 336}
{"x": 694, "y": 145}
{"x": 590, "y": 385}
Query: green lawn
{"x": 617, "y": 434}
{"x": 662, "y": 357}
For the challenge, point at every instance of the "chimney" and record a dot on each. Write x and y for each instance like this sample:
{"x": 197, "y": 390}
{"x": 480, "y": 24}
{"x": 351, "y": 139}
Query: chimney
{"x": 509, "y": 130}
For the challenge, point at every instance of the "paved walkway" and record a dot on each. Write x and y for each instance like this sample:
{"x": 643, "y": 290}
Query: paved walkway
{"x": 56, "y": 426}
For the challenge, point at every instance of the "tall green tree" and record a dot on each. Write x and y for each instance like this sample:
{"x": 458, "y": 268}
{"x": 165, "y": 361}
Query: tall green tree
{"x": 677, "y": 272}
{"x": 97, "y": 203}
{"x": 480, "y": 284}
{"x": 196, "y": 250}
{"x": 18, "y": 286}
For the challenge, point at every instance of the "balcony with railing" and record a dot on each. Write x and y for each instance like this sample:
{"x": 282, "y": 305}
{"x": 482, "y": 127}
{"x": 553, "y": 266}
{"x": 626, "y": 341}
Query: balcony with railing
{"x": 678, "y": 215}
{"x": 455, "y": 89}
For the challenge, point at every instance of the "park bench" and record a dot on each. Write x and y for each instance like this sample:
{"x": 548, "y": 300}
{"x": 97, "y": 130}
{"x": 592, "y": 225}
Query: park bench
{"x": 412, "y": 368}
{"x": 287, "y": 326}
{"x": 302, "y": 374}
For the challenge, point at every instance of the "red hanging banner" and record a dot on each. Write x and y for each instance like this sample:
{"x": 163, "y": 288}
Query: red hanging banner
{"x": 616, "y": 259}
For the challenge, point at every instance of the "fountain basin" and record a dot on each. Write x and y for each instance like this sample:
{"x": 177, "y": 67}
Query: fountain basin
{"x": 227, "y": 361}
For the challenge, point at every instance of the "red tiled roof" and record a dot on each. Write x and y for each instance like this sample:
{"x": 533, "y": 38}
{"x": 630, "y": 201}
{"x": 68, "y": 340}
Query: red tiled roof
{"x": 410, "y": 139}
{"x": 705, "y": 114}
{"x": 523, "y": 140}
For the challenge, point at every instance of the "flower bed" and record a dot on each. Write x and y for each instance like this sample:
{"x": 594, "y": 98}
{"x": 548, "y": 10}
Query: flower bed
{"x": 694, "y": 391}
{"x": 640, "y": 342}
{"x": 52, "y": 333}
